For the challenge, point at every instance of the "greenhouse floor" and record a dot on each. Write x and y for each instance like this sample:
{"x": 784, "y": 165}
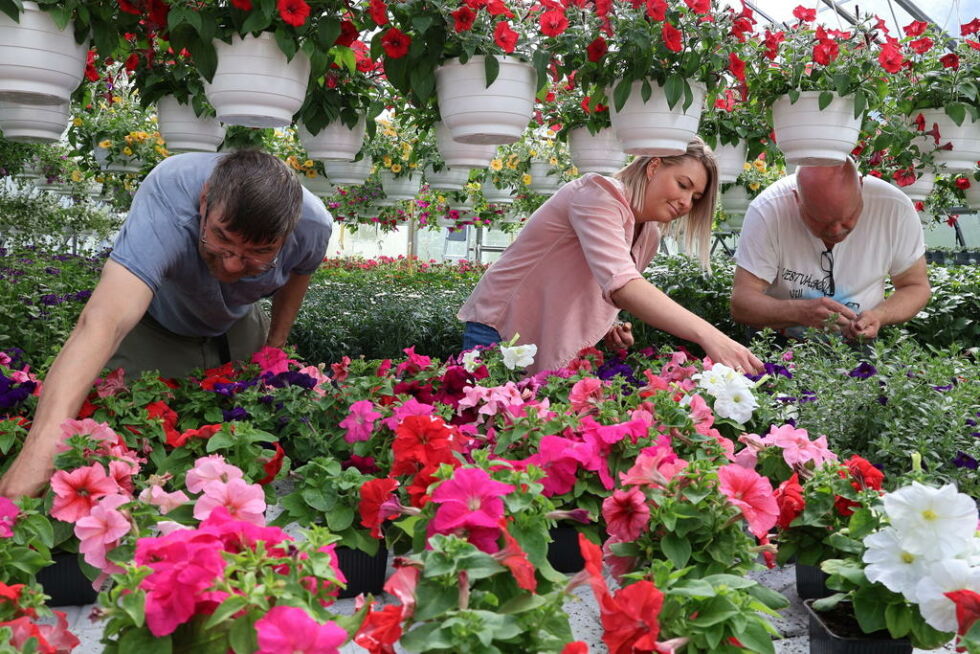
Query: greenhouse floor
{"x": 583, "y": 612}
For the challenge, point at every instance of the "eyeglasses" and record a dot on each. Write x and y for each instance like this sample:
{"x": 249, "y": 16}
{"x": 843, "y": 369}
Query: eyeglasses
{"x": 827, "y": 266}
{"x": 251, "y": 263}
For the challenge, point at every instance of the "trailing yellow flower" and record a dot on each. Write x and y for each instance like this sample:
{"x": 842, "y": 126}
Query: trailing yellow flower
{"x": 76, "y": 175}
{"x": 308, "y": 163}
{"x": 553, "y": 161}
{"x": 128, "y": 151}
{"x": 526, "y": 179}
{"x": 162, "y": 151}
{"x": 105, "y": 144}
{"x": 387, "y": 161}
{"x": 77, "y": 122}
{"x": 760, "y": 165}
{"x": 413, "y": 164}
{"x": 754, "y": 186}
{"x": 496, "y": 164}
{"x": 746, "y": 166}
{"x": 311, "y": 173}
{"x": 533, "y": 153}
{"x": 396, "y": 168}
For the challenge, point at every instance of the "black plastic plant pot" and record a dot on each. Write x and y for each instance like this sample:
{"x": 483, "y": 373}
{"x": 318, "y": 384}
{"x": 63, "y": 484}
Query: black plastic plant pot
{"x": 564, "y": 554}
{"x": 837, "y": 632}
{"x": 65, "y": 582}
{"x": 365, "y": 573}
{"x": 811, "y": 582}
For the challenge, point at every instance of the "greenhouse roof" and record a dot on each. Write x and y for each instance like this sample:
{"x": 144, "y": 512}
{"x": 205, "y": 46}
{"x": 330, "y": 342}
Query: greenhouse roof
{"x": 947, "y": 14}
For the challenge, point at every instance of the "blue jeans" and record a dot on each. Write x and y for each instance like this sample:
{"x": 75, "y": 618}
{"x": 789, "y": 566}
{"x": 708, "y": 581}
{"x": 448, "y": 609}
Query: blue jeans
{"x": 476, "y": 333}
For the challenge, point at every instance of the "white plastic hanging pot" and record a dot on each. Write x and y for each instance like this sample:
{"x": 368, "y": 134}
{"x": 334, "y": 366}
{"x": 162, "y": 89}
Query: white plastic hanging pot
{"x": 972, "y": 194}
{"x": 462, "y": 155}
{"x": 965, "y": 139}
{"x": 398, "y": 189}
{"x": 39, "y": 63}
{"x": 495, "y": 195}
{"x": 254, "y": 85}
{"x": 120, "y": 163}
{"x": 652, "y": 128}
{"x": 33, "y": 123}
{"x": 447, "y": 179}
{"x": 734, "y": 201}
{"x": 596, "y": 153}
{"x": 318, "y": 185}
{"x": 810, "y": 136}
{"x": 542, "y": 182}
{"x": 476, "y": 113}
{"x": 920, "y": 189}
{"x": 185, "y": 131}
{"x": 347, "y": 173}
{"x": 731, "y": 161}
{"x": 335, "y": 142}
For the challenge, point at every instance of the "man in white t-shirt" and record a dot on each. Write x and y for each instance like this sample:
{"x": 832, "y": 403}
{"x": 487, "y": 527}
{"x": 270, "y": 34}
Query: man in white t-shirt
{"x": 816, "y": 248}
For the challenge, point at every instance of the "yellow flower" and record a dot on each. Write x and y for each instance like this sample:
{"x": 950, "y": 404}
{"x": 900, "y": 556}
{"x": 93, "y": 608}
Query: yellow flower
{"x": 396, "y": 168}
{"x": 77, "y": 122}
{"x": 128, "y": 151}
{"x": 128, "y": 138}
{"x": 553, "y": 161}
{"x": 760, "y": 165}
{"x": 387, "y": 161}
{"x": 441, "y": 199}
{"x": 311, "y": 173}
{"x": 754, "y": 186}
{"x": 160, "y": 141}
{"x": 162, "y": 151}
{"x": 526, "y": 179}
{"x": 100, "y": 179}
{"x": 496, "y": 164}
{"x": 293, "y": 162}
{"x": 308, "y": 163}
{"x": 105, "y": 144}
{"x": 573, "y": 171}
{"x": 533, "y": 153}
{"x": 413, "y": 164}
{"x": 746, "y": 166}
{"x": 76, "y": 175}
{"x": 116, "y": 99}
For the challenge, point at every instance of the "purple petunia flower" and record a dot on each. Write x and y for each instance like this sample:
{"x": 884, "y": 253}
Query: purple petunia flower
{"x": 51, "y": 299}
{"x": 947, "y": 387}
{"x": 51, "y": 270}
{"x": 964, "y": 460}
{"x": 808, "y": 396}
{"x": 863, "y": 371}
{"x": 238, "y": 413}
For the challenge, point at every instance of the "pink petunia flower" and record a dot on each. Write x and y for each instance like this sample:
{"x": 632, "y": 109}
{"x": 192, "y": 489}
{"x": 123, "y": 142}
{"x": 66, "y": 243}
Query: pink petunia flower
{"x": 98, "y": 431}
{"x": 585, "y": 394}
{"x": 76, "y": 492}
{"x": 797, "y": 447}
{"x": 752, "y": 494}
{"x": 244, "y": 501}
{"x": 100, "y": 531}
{"x": 271, "y": 359}
{"x": 167, "y": 502}
{"x": 8, "y": 516}
{"x": 626, "y": 514}
{"x": 112, "y": 384}
{"x": 291, "y": 629}
{"x": 316, "y": 372}
{"x": 558, "y": 458}
{"x": 471, "y": 501}
{"x": 210, "y": 468}
{"x": 359, "y": 423}
{"x": 410, "y": 407}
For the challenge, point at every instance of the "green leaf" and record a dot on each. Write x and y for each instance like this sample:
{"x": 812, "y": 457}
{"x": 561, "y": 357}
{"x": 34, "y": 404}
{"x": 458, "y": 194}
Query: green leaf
{"x": 423, "y": 82}
{"x": 956, "y": 111}
{"x": 677, "y": 549}
{"x": 286, "y": 43}
{"x": 243, "y": 637}
{"x": 755, "y": 638}
{"x": 860, "y": 103}
{"x": 869, "y": 609}
{"x": 327, "y": 33}
{"x": 826, "y": 97}
{"x": 621, "y": 93}
{"x": 134, "y": 606}
{"x": 233, "y": 604}
{"x": 256, "y": 22}
{"x": 340, "y": 518}
{"x": 861, "y": 524}
{"x": 12, "y": 8}
{"x": 521, "y": 603}
{"x": 491, "y": 68}
{"x": 674, "y": 89}
{"x": 898, "y": 619}
{"x": 142, "y": 641}
{"x": 204, "y": 56}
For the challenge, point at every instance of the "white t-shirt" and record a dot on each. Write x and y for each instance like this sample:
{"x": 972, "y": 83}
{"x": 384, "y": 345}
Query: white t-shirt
{"x": 776, "y": 246}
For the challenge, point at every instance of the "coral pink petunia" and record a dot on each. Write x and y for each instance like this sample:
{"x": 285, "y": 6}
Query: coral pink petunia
{"x": 76, "y": 492}
{"x": 585, "y": 394}
{"x": 158, "y": 497}
{"x": 291, "y": 629}
{"x": 752, "y": 494}
{"x": 626, "y": 514}
{"x": 359, "y": 423}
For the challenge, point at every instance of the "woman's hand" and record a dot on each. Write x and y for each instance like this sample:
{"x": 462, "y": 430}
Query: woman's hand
{"x": 620, "y": 336}
{"x": 733, "y": 354}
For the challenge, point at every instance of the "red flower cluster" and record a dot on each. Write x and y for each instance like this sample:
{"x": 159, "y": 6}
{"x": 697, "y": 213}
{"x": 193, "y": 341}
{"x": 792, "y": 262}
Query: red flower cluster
{"x": 863, "y": 476}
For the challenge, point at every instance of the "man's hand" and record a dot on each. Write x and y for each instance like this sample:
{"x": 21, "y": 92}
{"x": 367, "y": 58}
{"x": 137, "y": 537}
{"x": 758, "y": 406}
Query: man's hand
{"x": 824, "y": 312}
{"x": 865, "y": 326}
{"x": 620, "y": 336}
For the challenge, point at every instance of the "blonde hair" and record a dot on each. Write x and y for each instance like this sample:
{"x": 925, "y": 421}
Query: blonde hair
{"x": 696, "y": 224}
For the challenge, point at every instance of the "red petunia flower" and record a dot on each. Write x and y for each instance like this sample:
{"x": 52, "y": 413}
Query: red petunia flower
{"x": 772, "y": 41}
{"x": 789, "y": 498}
{"x": 672, "y": 37}
{"x": 915, "y": 28}
{"x": 379, "y": 12}
{"x": 967, "y": 608}
{"x": 498, "y": 8}
{"x": 922, "y": 45}
{"x": 891, "y": 58}
{"x": 504, "y": 36}
{"x": 962, "y": 183}
{"x": 348, "y": 33}
{"x": 380, "y": 630}
{"x": 396, "y": 43}
{"x": 737, "y": 66}
{"x": 597, "y": 49}
{"x": 970, "y": 28}
{"x": 657, "y": 9}
{"x": 293, "y": 12}
{"x": 244, "y": 5}
{"x": 132, "y": 61}
{"x": 464, "y": 18}
{"x": 825, "y": 51}
{"x": 973, "y": 44}
{"x": 553, "y": 22}
{"x": 129, "y": 7}
{"x": 950, "y": 60}
{"x": 373, "y": 494}
{"x": 700, "y": 7}
{"x": 804, "y": 15}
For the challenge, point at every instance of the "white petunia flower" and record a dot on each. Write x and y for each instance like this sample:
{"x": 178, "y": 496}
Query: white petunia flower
{"x": 719, "y": 377}
{"x": 518, "y": 356}
{"x": 891, "y": 564}
{"x": 734, "y": 400}
{"x": 939, "y": 522}
{"x": 942, "y": 577}
{"x": 471, "y": 360}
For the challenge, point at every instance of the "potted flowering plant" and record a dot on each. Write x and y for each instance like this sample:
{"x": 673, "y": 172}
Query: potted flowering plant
{"x": 25, "y": 622}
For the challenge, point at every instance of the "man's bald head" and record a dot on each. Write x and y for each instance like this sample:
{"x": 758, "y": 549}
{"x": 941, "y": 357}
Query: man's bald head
{"x": 829, "y": 199}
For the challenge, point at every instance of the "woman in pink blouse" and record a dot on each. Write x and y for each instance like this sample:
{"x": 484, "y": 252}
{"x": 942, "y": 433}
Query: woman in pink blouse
{"x": 579, "y": 260}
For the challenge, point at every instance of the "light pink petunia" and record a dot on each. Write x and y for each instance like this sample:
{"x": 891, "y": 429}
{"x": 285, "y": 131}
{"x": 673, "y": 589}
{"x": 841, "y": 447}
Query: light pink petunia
{"x": 167, "y": 502}
{"x": 410, "y": 407}
{"x": 100, "y": 531}
{"x": 797, "y": 447}
{"x": 752, "y": 494}
{"x": 291, "y": 629}
{"x": 76, "y": 492}
{"x": 626, "y": 514}
{"x": 244, "y": 501}
{"x": 98, "y": 431}
{"x": 210, "y": 468}
{"x": 359, "y": 423}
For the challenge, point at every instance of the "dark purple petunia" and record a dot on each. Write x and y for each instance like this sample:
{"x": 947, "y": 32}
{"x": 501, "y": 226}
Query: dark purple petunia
{"x": 863, "y": 371}
{"x": 289, "y": 378}
{"x": 51, "y": 299}
{"x": 941, "y": 389}
{"x": 616, "y": 366}
{"x": 808, "y": 396}
{"x": 267, "y": 399}
{"x": 13, "y": 393}
{"x": 882, "y": 400}
{"x": 51, "y": 270}
{"x": 238, "y": 413}
{"x": 964, "y": 460}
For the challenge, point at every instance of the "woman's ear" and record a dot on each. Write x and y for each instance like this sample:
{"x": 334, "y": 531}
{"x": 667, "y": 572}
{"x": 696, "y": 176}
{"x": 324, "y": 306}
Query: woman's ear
{"x": 652, "y": 166}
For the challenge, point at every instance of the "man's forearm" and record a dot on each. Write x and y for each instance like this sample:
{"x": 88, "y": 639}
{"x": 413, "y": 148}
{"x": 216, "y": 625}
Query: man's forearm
{"x": 903, "y": 304}
{"x": 285, "y": 307}
{"x": 760, "y": 310}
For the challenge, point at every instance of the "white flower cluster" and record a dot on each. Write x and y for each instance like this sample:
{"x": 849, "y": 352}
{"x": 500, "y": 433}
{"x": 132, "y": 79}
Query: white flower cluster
{"x": 731, "y": 390}
{"x": 930, "y": 548}
{"x": 518, "y": 356}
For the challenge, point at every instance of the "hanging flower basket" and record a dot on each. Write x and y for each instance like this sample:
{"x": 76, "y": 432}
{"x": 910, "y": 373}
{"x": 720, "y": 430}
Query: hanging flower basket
{"x": 462, "y": 155}
{"x": 734, "y": 201}
{"x": 254, "y": 85}
{"x": 345, "y": 173}
{"x": 447, "y": 179}
{"x": 476, "y": 113}
{"x": 32, "y": 123}
{"x": 919, "y": 190}
{"x": 120, "y": 163}
{"x": 544, "y": 181}
{"x": 495, "y": 195}
{"x": 652, "y": 128}
{"x": 185, "y": 131}
{"x": 398, "y": 189}
{"x": 809, "y": 136}
{"x": 731, "y": 160}
{"x": 335, "y": 142}
{"x": 39, "y": 63}
{"x": 965, "y": 139}
{"x": 319, "y": 186}
{"x": 596, "y": 153}
{"x": 972, "y": 195}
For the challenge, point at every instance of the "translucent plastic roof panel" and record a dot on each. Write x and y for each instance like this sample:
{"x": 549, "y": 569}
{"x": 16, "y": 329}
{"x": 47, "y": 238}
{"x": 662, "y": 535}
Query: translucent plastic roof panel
{"x": 949, "y": 14}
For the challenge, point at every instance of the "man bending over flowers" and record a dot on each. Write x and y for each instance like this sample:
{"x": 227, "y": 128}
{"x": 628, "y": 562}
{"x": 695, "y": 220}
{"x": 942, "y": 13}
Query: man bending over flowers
{"x": 207, "y": 237}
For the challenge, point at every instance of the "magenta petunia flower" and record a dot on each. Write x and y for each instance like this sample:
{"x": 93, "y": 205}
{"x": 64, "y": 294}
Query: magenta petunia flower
{"x": 359, "y": 423}
{"x": 291, "y": 629}
{"x": 8, "y": 516}
{"x": 469, "y": 500}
